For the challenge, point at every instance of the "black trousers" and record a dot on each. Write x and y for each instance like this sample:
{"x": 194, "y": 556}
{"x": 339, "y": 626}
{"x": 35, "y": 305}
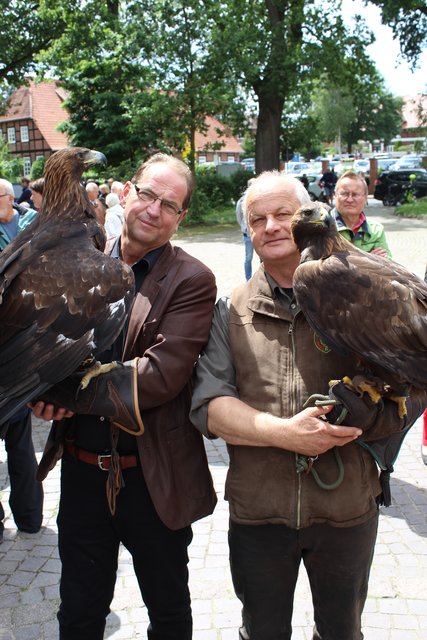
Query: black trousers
{"x": 265, "y": 561}
{"x": 89, "y": 538}
{"x": 26, "y": 493}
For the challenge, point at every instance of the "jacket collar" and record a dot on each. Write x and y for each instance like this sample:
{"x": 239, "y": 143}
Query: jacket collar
{"x": 262, "y": 298}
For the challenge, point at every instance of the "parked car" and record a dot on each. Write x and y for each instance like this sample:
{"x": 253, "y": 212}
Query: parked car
{"x": 297, "y": 167}
{"x": 407, "y": 162}
{"x": 248, "y": 164}
{"x": 315, "y": 192}
{"x": 362, "y": 166}
{"x": 385, "y": 164}
{"x": 390, "y": 184}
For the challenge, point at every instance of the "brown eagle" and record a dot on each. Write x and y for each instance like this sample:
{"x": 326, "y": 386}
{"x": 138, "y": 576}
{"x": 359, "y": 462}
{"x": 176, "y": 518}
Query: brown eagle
{"x": 362, "y": 304}
{"x": 62, "y": 300}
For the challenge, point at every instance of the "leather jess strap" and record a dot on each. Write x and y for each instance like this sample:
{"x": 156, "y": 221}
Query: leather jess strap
{"x": 102, "y": 461}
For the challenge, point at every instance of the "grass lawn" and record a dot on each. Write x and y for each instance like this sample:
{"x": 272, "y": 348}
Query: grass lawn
{"x": 412, "y": 209}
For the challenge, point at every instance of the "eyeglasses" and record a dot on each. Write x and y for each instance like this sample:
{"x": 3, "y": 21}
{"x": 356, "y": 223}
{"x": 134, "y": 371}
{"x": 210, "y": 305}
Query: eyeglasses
{"x": 149, "y": 197}
{"x": 348, "y": 194}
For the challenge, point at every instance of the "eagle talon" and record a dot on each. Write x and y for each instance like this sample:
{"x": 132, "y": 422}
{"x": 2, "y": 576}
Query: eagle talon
{"x": 97, "y": 369}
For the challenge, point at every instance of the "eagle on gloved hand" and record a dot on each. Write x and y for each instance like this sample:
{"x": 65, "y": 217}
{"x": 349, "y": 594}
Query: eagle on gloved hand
{"x": 62, "y": 300}
{"x": 360, "y": 303}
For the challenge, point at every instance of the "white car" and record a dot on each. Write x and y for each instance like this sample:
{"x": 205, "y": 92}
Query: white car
{"x": 297, "y": 167}
{"x": 361, "y": 166}
{"x": 407, "y": 162}
{"x": 315, "y": 192}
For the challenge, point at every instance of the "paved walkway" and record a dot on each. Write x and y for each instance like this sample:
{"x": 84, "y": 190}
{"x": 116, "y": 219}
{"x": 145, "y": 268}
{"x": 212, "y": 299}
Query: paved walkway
{"x": 397, "y": 602}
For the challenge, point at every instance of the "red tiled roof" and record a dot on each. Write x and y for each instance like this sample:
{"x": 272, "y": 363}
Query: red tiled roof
{"x": 43, "y": 103}
{"x": 205, "y": 141}
{"x": 410, "y": 111}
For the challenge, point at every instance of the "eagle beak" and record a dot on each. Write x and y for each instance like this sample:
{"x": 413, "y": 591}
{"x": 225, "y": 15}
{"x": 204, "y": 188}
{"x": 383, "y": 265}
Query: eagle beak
{"x": 94, "y": 157}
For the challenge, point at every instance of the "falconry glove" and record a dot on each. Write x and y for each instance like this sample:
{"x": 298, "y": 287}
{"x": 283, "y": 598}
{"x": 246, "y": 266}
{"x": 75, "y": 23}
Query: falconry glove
{"x": 113, "y": 395}
{"x": 351, "y": 407}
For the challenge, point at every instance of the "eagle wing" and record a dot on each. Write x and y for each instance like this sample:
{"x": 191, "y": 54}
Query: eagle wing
{"x": 61, "y": 300}
{"x": 369, "y": 306}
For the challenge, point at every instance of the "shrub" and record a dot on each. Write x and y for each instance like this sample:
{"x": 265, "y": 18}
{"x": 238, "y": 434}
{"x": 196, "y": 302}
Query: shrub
{"x": 37, "y": 168}
{"x": 239, "y": 182}
{"x": 217, "y": 189}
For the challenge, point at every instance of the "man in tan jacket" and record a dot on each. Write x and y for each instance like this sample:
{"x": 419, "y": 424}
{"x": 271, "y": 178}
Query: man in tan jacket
{"x": 299, "y": 487}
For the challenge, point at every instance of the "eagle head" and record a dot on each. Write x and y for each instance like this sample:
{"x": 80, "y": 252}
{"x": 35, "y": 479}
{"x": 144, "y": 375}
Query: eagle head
{"x": 63, "y": 194}
{"x": 312, "y": 224}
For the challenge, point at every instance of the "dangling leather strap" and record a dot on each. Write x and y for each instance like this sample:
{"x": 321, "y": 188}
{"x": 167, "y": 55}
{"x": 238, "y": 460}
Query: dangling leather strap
{"x": 115, "y": 480}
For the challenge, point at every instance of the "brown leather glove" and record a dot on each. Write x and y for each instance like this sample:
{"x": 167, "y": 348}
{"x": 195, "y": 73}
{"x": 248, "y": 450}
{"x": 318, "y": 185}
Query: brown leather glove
{"x": 352, "y": 408}
{"x": 113, "y": 395}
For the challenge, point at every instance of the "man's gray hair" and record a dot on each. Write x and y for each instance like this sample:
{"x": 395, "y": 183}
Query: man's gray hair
{"x": 284, "y": 180}
{"x": 117, "y": 187}
{"x": 8, "y": 187}
{"x": 92, "y": 186}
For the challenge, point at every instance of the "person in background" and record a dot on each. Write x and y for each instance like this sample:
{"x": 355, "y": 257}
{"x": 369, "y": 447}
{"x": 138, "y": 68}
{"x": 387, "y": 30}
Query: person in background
{"x": 141, "y": 489}
{"x": 424, "y": 427}
{"x": 100, "y": 210}
{"x": 25, "y": 196}
{"x": 117, "y": 188}
{"x": 260, "y": 366}
{"x": 327, "y": 182}
{"x": 351, "y": 195}
{"x": 104, "y": 190}
{"x": 249, "y": 251}
{"x": 114, "y": 216}
{"x": 37, "y": 187}
{"x": 26, "y": 493}
{"x": 92, "y": 190}
{"x": 304, "y": 180}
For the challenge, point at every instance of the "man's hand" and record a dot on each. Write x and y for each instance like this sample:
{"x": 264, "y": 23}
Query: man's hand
{"x": 312, "y": 435}
{"x": 379, "y": 251}
{"x": 113, "y": 394}
{"x": 49, "y": 412}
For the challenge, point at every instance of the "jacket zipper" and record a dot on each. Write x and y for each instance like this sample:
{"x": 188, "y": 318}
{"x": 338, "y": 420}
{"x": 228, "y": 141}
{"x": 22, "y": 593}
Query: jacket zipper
{"x": 299, "y": 490}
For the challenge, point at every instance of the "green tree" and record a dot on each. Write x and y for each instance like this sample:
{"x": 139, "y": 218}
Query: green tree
{"x": 37, "y": 168}
{"x": 358, "y": 108}
{"x": 11, "y": 168}
{"x": 270, "y": 47}
{"x": 175, "y": 40}
{"x": 26, "y": 29}
{"x": 336, "y": 112}
{"x": 408, "y": 20}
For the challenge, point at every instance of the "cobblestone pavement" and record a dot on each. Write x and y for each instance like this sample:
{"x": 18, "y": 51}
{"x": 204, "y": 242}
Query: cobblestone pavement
{"x": 396, "y": 608}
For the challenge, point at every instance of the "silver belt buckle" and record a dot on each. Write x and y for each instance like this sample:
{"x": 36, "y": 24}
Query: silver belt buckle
{"x": 100, "y": 463}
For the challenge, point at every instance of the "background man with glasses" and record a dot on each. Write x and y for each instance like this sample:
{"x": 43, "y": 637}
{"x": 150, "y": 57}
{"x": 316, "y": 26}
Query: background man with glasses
{"x": 351, "y": 195}
{"x": 163, "y": 482}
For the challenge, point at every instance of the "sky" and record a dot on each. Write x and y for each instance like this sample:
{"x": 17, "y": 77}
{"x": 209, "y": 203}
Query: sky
{"x": 385, "y": 53}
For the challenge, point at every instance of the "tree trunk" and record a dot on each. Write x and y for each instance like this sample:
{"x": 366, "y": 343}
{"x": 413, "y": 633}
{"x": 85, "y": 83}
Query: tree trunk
{"x": 267, "y": 154}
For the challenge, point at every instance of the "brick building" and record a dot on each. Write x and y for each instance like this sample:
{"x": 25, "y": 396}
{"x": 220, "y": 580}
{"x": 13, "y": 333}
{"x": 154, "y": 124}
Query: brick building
{"x": 31, "y": 120}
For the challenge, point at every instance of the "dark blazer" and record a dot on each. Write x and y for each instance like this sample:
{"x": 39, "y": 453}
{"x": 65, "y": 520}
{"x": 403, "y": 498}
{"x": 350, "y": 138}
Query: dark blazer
{"x": 168, "y": 327}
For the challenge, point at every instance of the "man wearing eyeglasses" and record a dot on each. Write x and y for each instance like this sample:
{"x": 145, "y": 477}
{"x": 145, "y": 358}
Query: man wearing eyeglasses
{"x": 351, "y": 196}
{"x": 13, "y": 217}
{"x": 160, "y": 478}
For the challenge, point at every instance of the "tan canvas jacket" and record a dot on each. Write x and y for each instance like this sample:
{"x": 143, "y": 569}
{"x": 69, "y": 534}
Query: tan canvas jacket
{"x": 279, "y": 363}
